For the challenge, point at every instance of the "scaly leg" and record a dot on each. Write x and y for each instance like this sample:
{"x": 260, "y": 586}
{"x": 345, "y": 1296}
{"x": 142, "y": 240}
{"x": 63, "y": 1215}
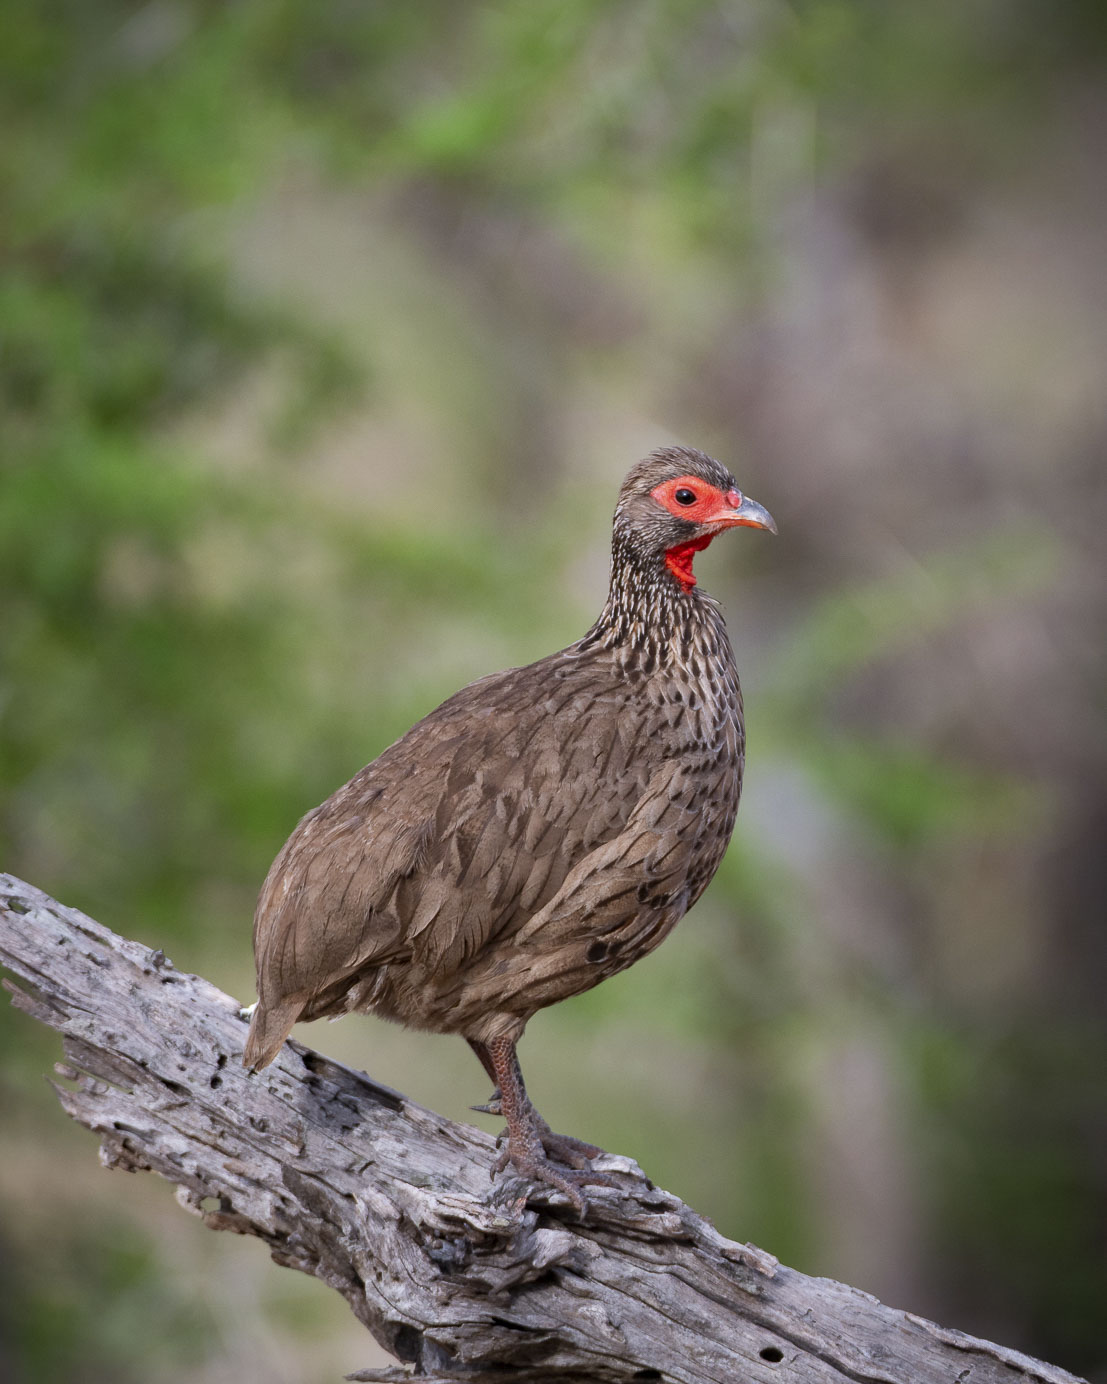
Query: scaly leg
{"x": 529, "y": 1137}
{"x": 574, "y": 1153}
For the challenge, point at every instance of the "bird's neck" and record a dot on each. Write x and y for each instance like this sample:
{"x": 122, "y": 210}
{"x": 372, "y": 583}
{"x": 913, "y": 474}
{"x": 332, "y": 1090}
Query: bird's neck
{"x": 654, "y": 610}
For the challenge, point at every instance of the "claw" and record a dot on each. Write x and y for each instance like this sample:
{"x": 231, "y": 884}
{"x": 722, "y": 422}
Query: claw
{"x": 530, "y": 1158}
{"x": 531, "y": 1144}
{"x": 531, "y": 1164}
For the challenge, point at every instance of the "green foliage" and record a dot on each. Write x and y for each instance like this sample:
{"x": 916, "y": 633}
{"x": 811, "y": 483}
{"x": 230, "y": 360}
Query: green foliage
{"x": 104, "y": 1289}
{"x": 1009, "y": 1140}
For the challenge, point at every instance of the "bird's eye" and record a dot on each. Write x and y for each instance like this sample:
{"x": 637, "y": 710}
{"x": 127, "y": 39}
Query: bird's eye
{"x": 684, "y": 496}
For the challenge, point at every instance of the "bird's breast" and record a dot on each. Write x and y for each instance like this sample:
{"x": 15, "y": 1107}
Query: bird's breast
{"x": 693, "y": 697}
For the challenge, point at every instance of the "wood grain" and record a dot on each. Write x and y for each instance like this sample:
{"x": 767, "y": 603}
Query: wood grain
{"x": 391, "y": 1204}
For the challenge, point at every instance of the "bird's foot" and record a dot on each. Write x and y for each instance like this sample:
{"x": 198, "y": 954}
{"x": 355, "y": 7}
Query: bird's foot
{"x": 529, "y": 1160}
{"x": 531, "y": 1143}
{"x": 574, "y": 1153}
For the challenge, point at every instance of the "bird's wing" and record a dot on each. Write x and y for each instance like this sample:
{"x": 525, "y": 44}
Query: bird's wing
{"x": 616, "y": 904}
{"x": 456, "y": 834}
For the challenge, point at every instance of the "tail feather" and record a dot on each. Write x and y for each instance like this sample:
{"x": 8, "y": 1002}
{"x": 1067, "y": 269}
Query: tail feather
{"x": 268, "y": 1030}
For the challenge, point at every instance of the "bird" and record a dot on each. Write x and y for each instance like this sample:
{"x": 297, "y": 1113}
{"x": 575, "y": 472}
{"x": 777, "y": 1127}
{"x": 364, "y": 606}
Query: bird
{"x": 541, "y": 830}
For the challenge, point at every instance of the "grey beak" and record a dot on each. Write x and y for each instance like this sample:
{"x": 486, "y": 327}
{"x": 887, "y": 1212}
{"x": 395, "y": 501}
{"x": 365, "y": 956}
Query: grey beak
{"x": 753, "y": 515}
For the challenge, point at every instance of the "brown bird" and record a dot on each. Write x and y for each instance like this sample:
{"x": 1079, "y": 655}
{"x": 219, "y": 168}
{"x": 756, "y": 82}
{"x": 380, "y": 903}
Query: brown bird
{"x": 540, "y": 831}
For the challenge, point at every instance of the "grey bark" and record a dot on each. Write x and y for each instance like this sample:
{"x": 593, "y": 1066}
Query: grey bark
{"x": 392, "y": 1204}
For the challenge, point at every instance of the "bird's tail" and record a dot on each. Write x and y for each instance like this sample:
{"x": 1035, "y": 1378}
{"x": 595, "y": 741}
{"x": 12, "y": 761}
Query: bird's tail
{"x": 268, "y": 1030}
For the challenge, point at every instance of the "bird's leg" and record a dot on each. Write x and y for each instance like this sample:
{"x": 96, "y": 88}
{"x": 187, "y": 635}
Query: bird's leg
{"x": 574, "y": 1153}
{"x": 529, "y": 1137}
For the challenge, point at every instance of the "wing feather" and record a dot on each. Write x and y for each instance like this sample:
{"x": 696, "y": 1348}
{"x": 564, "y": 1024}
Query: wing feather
{"x": 455, "y": 835}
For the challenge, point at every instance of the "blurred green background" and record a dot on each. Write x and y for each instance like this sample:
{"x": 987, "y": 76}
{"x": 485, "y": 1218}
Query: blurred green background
{"x": 327, "y": 332}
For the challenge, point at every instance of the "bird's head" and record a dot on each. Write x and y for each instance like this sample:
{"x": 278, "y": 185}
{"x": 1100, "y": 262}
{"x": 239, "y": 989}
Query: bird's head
{"x": 676, "y": 501}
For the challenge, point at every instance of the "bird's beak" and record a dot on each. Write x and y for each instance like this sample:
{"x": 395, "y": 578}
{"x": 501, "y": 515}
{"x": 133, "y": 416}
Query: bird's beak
{"x": 741, "y": 510}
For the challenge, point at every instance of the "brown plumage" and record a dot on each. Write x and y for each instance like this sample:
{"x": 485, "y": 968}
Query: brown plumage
{"x": 541, "y": 830}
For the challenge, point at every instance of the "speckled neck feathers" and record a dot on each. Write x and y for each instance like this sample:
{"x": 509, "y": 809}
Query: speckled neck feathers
{"x": 649, "y": 619}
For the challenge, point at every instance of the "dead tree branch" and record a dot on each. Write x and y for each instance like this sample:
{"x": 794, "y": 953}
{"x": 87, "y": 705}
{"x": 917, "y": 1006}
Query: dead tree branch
{"x": 392, "y": 1205}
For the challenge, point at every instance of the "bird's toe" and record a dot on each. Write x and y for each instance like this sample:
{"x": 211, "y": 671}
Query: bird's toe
{"x": 574, "y": 1153}
{"x": 530, "y": 1161}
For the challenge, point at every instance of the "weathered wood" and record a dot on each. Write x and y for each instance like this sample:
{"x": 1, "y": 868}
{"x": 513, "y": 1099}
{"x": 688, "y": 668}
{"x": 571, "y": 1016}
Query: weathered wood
{"x": 392, "y": 1205}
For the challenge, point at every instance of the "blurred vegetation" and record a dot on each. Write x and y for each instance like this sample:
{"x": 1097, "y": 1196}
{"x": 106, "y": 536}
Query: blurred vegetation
{"x": 326, "y": 333}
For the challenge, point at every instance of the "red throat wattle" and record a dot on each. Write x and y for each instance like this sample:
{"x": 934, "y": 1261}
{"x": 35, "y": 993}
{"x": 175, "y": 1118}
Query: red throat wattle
{"x": 679, "y": 559}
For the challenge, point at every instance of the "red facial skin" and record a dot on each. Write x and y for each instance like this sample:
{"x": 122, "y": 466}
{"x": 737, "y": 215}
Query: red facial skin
{"x": 712, "y": 506}
{"x": 679, "y": 559}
